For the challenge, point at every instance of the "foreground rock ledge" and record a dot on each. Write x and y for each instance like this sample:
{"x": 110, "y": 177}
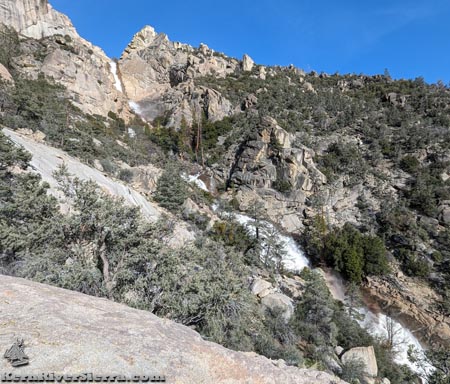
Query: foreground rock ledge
{"x": 68, "y": 332}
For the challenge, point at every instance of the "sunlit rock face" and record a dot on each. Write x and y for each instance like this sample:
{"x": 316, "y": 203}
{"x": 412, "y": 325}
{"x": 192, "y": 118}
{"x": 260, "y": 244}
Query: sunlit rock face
{"x": 158, "y": 76}
{"x": 70, "y": 333}
{"x": 63, "y": 55}
{"x": 35, "y": 18}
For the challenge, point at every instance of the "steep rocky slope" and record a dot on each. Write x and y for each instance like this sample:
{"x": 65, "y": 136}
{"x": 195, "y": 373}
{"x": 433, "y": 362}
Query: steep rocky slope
{"x": 51, "y": 45}
{"x": 67, "y": 332}
{"x": 35, "y": 18}
{"x": 46, "y": 160}
{"x": 413, "y": 303}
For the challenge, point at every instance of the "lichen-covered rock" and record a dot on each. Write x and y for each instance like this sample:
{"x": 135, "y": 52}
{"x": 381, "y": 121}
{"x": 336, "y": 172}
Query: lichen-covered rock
{"x": 68, "y": 332}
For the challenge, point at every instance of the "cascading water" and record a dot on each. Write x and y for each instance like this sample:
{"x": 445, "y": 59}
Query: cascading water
{"x": 195, "y": 180}
{"x": 294, "y": 259}
{"x": 117, "y": 82}
{"x": 377, "y": 324}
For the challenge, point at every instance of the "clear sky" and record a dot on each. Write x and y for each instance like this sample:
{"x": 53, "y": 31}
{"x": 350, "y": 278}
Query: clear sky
{"x": 410, "y": 38}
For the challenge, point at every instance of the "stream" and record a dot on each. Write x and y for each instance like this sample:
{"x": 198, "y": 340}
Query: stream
{"x": 375, "y": 323}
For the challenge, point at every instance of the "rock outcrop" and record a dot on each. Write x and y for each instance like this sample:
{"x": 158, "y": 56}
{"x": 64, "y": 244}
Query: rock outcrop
{"x": 247, "y": 63}
{"x": 267, "y": 167}
{"x": 54, "y": 48}
{"x": 71, "y": 333}
{"x": 35, "y": 18}
{"x": 158, "y": 76}
{"x": 5, "y": 75}
{"x": 367, "y": 356}
{"x": 412, "y": 303}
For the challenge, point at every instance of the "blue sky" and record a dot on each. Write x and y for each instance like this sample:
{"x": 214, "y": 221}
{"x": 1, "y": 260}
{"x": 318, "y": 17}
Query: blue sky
{"x": 410, "y": 38}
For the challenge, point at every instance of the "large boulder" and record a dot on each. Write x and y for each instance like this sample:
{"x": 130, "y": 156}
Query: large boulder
{"x": 366, "y": 355}
{"x": 261, "y": 288}
{"x": 279, "y": 301}
{"x": 69, "y": 333}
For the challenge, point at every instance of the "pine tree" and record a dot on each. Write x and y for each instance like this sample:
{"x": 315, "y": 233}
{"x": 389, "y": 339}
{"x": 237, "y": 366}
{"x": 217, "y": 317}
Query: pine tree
{"x": 171, "y": 189}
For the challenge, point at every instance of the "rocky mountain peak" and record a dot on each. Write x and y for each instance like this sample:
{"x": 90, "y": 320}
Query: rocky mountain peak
{"x": 35, "y": 18}
{"x": 158, "y": 76}
{"x": 141, "y": 39}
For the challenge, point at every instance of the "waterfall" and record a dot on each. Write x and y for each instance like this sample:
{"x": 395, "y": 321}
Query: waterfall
{"x": 117, "y": 82}
{"x": 195, "y": 180}
{"x": 294, "y": 259}
{"x": 375, "y": 323}
{"x": 378, "y": 325}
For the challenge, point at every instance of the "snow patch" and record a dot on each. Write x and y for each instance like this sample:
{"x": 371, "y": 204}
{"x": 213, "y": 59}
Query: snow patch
{"x": 131, "y": 133}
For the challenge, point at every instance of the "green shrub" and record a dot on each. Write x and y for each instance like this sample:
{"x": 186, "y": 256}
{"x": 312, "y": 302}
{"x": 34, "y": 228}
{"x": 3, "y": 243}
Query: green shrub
{"x": 126, "y": 175}
{"x": 409, "y": 164}
{"x": 9, "y": 45}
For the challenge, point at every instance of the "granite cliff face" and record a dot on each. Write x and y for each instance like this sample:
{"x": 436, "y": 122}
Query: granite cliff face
{"x": 51, "y": 45}
{"x": 35, "y": 18}
{"x": 158, "y": 75}
{"x": 68, "y": 332}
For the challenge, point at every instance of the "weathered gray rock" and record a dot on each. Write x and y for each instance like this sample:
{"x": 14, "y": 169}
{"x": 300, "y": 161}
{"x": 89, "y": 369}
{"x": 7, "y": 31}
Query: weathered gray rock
{"x": 35, "y": 18}
{"x": 309, "y": 87}
{"x": 338, "y": 350}
{"x": 293, "y": 287}
{"x": 47, "y": 159}
{"x": 444, "y": 214}
{"x": 396, "y": 99}
{"x": 280, "y": 301}
{"x": 63, "y": 55}
{"x": 68, "y": 332}
{"x": 366, "y": 355}
{"x": 266, "y": 158}
{"x": 262, "y": 73}
{"x": 261, "y": 288}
